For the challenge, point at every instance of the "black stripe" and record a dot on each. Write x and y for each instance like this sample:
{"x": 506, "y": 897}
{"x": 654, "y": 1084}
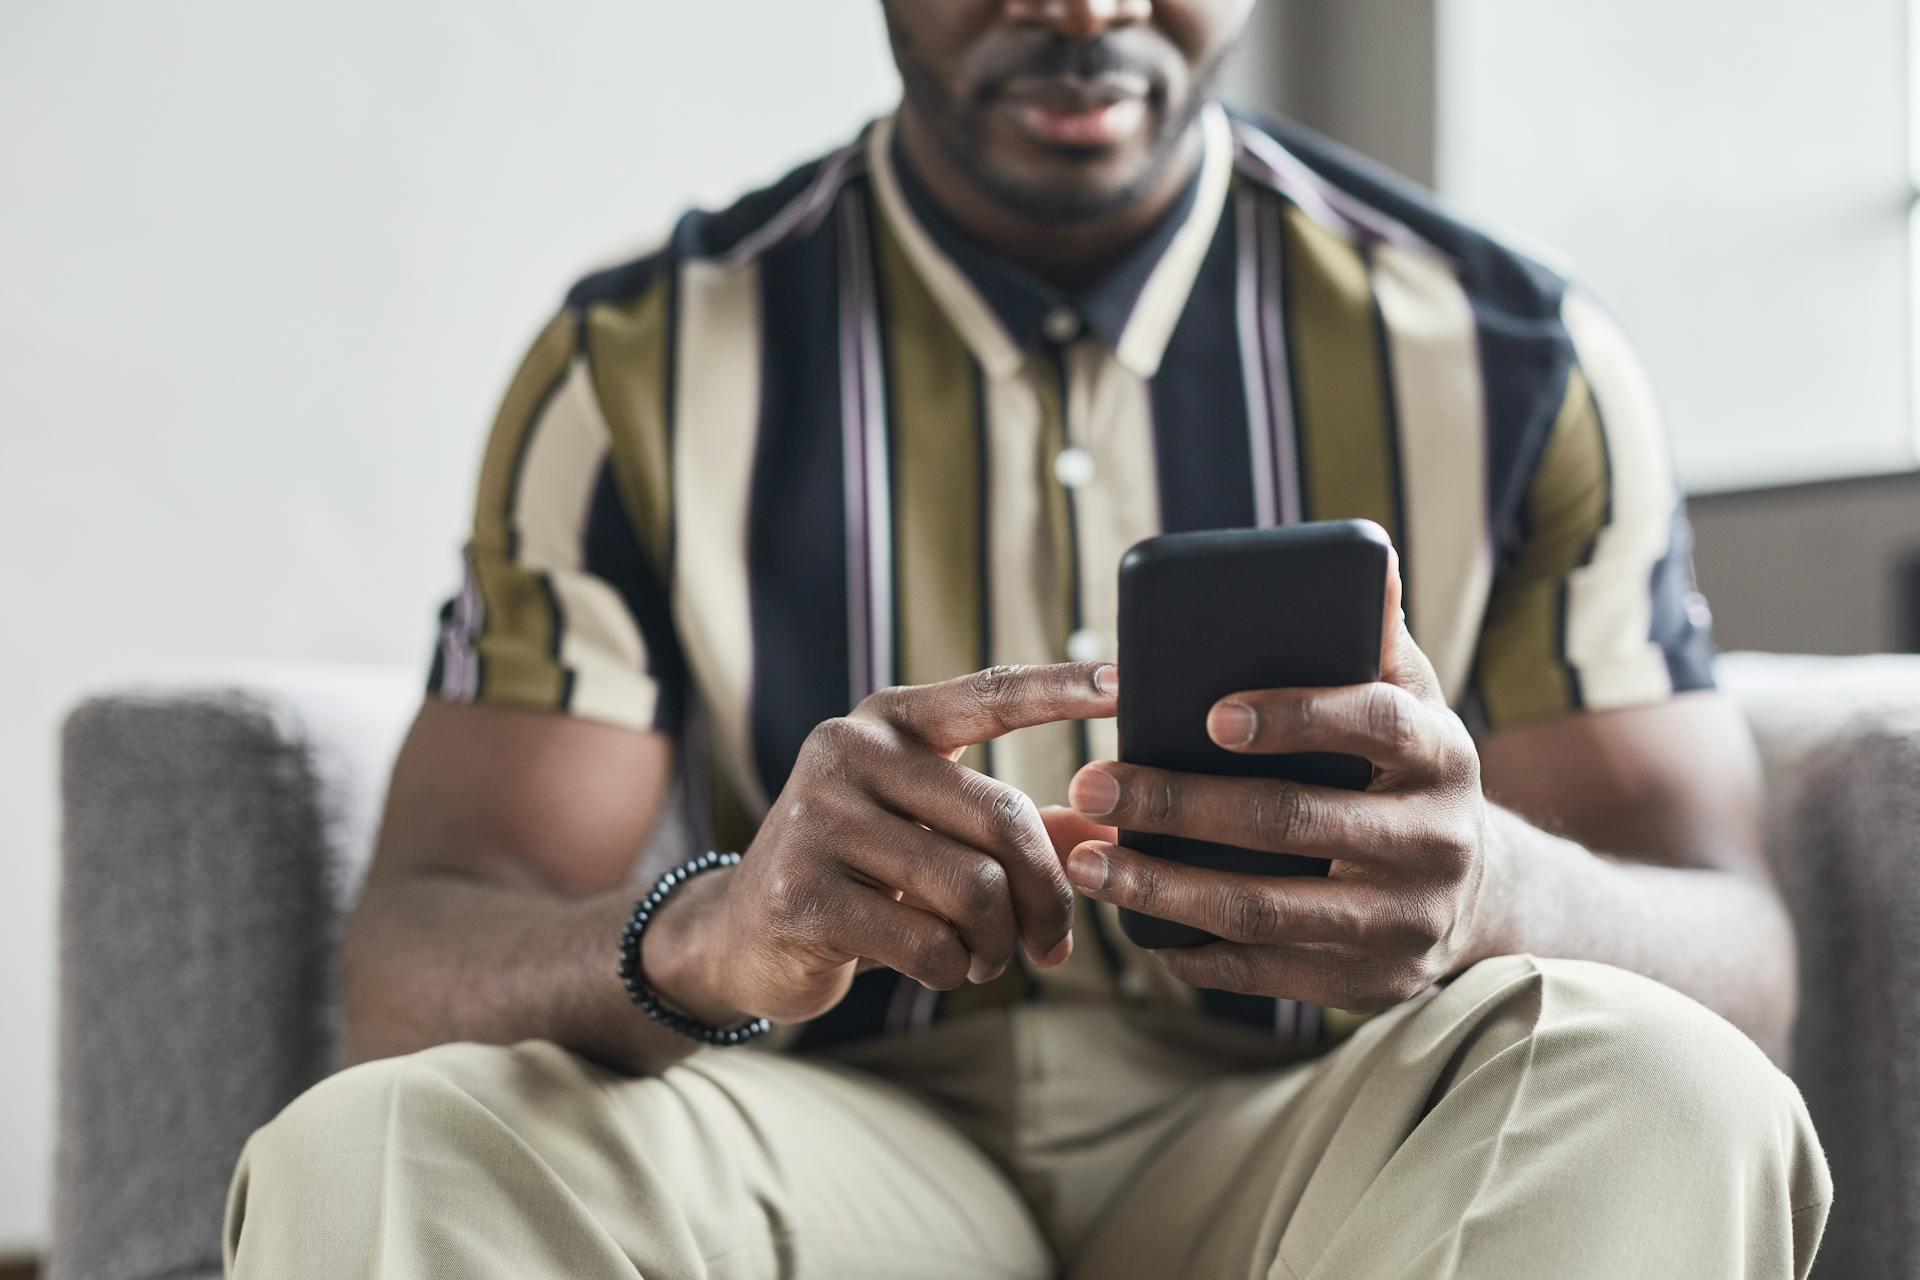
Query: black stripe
{"x": 1201, "y": 444}
{"x": 613, "y": 554}
{"x": 1199, "y": 404}
{"x": 1231, "y": 1006}
{"x": 796, "y": 531}
{"x": 437, "y": 672}
{"x": 616, "y": 285}
{"x": 558, "y": 630}
{"x": 1686, "y": 641}
{"x": 862, "y": 1014}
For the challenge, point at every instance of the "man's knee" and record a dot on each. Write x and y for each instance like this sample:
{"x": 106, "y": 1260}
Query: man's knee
{"x": 356, "y": 1114}
{"x": 338, "y": 1140}
{"x": 1654, "y": 1061}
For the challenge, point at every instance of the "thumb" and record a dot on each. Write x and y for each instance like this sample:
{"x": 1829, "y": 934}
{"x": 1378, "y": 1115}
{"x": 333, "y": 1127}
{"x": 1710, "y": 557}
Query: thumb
{"x": 1403, "y": 662}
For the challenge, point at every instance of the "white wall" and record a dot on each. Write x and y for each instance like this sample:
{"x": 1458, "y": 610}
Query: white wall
{"x": 1733, "y": 180}
{"x": 264, "y": 268}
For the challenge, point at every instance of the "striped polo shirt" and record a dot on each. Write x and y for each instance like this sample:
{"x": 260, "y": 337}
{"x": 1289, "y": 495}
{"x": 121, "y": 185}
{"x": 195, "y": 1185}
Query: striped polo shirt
{"x": 822, "y": 442}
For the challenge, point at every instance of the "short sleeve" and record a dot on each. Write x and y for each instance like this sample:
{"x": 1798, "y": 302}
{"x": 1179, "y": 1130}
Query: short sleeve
{"x": 1593, "y": 606}
{"x": 562, "y": 605}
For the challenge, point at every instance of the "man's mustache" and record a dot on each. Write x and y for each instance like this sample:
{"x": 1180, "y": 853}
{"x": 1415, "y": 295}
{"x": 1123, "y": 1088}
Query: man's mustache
{"x": 1054, "y": 57}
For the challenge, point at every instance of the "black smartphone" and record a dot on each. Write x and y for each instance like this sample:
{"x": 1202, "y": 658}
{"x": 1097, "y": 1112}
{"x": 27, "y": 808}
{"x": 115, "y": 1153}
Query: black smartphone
{"x": 1206, "y": 614}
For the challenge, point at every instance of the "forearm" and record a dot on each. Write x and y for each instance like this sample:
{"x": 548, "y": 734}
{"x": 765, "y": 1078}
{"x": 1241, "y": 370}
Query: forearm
{"x": 1717, "y": 936}
{"x": 433, "y": 957}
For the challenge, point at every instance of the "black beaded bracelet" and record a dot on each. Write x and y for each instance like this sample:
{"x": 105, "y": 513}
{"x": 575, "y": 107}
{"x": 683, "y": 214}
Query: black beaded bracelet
{"x": 630, "y": 975}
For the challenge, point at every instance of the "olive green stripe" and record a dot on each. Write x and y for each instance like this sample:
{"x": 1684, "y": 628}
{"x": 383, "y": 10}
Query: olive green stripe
{"x": 628, "y": 346}
{"x": 519, "y": 627}
{"x": 1345, "y": 429}
{"x": 937, "y": 531}
{"x": 517, "y": 663}
{"x": 1522, "y": 670}
{"x": 545, "y": 365}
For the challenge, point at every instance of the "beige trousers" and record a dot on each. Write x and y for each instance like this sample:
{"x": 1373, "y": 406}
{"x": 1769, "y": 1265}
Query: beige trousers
{"x": 1532, "y": 1118}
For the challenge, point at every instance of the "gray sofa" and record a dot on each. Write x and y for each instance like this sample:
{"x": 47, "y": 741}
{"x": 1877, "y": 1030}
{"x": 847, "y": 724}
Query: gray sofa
{"x": 216, "y": 826}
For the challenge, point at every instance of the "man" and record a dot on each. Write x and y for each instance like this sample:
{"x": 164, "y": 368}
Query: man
{"x": 806, "y": 525}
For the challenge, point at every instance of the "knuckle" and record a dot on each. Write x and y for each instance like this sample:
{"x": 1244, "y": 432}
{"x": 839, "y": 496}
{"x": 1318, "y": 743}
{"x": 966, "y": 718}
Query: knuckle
{"x": 1159, "y": 802}
{"x": 994, "y": 686}
{"x": 1249, "y": 914}
{"x": 937, "y": 960}
{"x": 1295, "y": 717}
{"x": 1393, "y": 718}
{"x": 1422, "y": 926}
{"x": 1386, "y": 983}
{"x": 1011, "y": 814}
{"x": 792, "y": 895}
{"x": 1409, "y": 978}
{"x": 836, "y": 739}
{"x": 891, "y": 705}
{"x": 1282, "y": 815}
{"x": 985, "y": 888}
{"x": 879, "y": 702}
{"x": 1140, "y": 882}
{"x": 1454, "y": 848}
{"x": 1360, "y": 987}
{"x": 1231, "y": 968}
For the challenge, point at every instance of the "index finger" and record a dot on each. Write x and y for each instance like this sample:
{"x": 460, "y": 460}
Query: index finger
{"x": 965, "y": 710}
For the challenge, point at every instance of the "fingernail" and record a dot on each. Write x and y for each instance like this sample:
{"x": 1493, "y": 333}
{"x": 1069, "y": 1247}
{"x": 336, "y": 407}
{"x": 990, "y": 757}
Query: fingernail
{"x": 1094, "y": 792}
{"x": 1061, "y": 950}
{"x": 980, "y": 971}
{"x": 1087, "y": 868}
{"x": 1231, "y": 724}
{"x": 1107, "y": 680}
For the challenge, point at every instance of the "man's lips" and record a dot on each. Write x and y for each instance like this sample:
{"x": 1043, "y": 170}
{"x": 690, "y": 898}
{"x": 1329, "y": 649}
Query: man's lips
{"x": 1080, "y": 113}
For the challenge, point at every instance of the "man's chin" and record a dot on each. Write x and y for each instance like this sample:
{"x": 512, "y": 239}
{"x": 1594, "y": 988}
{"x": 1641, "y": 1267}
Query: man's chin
{"x": 1071, "y": 186}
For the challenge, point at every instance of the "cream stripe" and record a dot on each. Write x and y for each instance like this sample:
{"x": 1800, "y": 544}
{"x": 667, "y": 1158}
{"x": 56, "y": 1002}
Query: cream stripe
{"x": 557, "y": 473}
{"x": 1441, "y": 402}
{"x": 717, "y": 391}
{"x": 601, "y": 645}
{"x": 1253, "y": 365}
{"x": 1112, "y": 418}
{"x": 1609, "y": 599}
{"x": 963, "y": 304}
{"x": 599, "y": 640}
{"x": 1164, "y": 296}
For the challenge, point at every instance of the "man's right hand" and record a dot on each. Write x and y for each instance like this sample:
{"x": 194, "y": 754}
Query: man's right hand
{"x": 883, "y": 850}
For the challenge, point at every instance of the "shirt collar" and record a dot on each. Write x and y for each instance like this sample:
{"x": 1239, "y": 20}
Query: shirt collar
{"x": 1003, "y": 311}
{"x": 1027, "y": 306}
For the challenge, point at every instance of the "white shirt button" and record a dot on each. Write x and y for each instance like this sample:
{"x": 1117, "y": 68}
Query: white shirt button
{"x": 1073, "y": 467}
{"x": 1085, "y": 645}
{"x": 1061, "y": 325}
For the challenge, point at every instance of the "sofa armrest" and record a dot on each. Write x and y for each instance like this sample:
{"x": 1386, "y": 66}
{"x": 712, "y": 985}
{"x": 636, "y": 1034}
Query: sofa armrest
{"x": 1841, "y": 742}
{"x": 216, "y": 825}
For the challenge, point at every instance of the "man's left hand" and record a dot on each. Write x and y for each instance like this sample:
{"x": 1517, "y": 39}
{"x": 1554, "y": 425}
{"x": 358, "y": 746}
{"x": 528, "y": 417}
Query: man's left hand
{"x": 1400, "y": 906}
